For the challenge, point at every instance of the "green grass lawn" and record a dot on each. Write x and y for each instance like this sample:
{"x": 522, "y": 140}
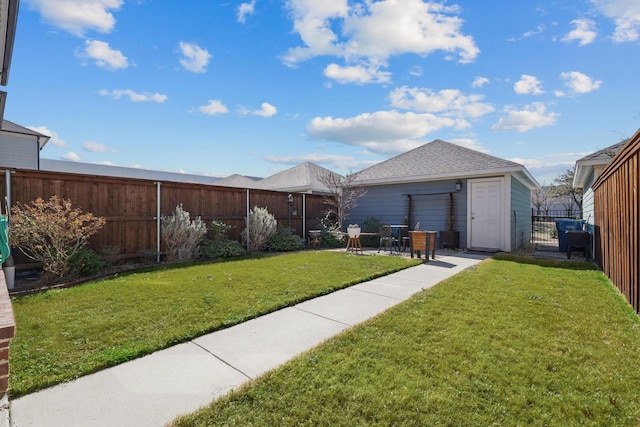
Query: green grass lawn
{"x": 511, "y": 342}
{"x": 66, "y": 333}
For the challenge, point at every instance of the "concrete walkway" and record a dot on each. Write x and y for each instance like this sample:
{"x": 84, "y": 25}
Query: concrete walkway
{"x": 155, "y": 389}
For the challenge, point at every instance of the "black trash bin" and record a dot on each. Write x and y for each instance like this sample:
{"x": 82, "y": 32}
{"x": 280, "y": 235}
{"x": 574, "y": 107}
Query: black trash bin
{"x": 563, "y": 225}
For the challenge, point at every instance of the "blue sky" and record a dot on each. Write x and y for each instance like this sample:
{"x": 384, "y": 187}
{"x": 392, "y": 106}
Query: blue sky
{"x": 222, "y": 87}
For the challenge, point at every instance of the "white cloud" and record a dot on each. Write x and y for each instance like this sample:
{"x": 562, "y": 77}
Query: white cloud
{"x": 416, "y": 71}
{"x": 356, "y": 74}
{"x": 134, "y": 96}
{"x": 480, "y": 81}
{"x": 531, "y": 116}
{"x": 194, "y": 58}
{"x": 78, "y": 16}
{"x": 449, "y": 102}
{"x": 380, "y": 132}
{"x": 96, "y": 147}
{"x": 546, "y": 167}
{"x": 584, "y": 32}
{"x": 337, "y": 161}
{"x": 371, "y": 32}
{"x": 580, "y": 83}
{"x": 626, "y": 16}
{"x": 54, "y": 139}
{"x": 245, "y": 9}
{"x": 266, "y": 110}
{"x": 70, "y": 156}
{"x": 528, "y": 85}
{"x": 103, "y": 55}
{"x": 213, "y": 107}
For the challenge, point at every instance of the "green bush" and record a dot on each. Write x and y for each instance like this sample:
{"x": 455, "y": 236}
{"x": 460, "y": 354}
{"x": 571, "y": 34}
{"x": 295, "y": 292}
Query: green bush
{"x": 285, "y": 240}
{"x": 220, "y": 246}
{"x": 86, "y": 262}
{"x": 221, "y": 249}
{"x": 148, "y": 256}
{"x": 331, "y": 235}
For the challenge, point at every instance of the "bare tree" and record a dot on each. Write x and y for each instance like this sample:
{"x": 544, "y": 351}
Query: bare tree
{"x": 565, "y": 192}
{"x": 344, "y": 195}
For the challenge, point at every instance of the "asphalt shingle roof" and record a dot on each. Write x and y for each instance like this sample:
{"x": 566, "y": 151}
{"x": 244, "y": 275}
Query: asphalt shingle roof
{"x": 237, "y": 180}
{"x": 304, "y": 178}
{"x": 435, "y": 159}
{"x": 606, "y": 154}
{"x": 12, "y": 127}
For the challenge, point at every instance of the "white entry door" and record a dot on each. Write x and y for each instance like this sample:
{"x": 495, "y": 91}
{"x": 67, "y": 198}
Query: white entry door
{"x": 487, "y": 206}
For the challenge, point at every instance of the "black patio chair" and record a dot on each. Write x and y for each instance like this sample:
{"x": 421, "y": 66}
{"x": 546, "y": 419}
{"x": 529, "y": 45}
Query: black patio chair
{"x": 386, "y": 238}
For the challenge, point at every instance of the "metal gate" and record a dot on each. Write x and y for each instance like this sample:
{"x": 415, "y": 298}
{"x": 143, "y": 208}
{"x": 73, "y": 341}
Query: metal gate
{"x": 544, "y": 234}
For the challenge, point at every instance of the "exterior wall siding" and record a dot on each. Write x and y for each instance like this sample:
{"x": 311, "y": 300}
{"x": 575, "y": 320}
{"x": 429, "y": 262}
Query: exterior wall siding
{"x": 520, "y": 229}
{"x": 588, "y": 203}
{"x": 430, "y": 206}
{"x": 18, "y": 152}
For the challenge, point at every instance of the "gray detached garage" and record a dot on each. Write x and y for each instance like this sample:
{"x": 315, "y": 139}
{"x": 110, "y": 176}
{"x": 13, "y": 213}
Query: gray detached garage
{"x": 481, "y": 201}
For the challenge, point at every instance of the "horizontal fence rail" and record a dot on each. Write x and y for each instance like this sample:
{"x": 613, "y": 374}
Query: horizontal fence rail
{"x": 131, "y": 206}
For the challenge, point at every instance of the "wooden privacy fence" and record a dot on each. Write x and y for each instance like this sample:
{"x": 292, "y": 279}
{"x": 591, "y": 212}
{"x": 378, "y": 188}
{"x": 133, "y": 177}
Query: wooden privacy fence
{"x": 617, "y": 222}
{"x": 132, "y": 207}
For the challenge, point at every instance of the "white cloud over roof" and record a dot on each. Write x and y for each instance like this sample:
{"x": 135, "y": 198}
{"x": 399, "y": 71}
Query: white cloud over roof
{"x": 213, "y": 108}
{"x": 103, "y": 55}
{"x": 584, "y": 32}
{"x": 78, "y": 16}
{"x": 134, "y": 96}
{"x": 529, "y": 117}
{"x": 626, "y": 16}
{"x": 194, "y": 58}
{"x": 381, "y": 131}
{"x": 371, "y": 32}
{"x": 245, "y": 9}
{"x": 528, "y": 85}
{"x": 449, "y": 102}
{"x": 580, "y": 83}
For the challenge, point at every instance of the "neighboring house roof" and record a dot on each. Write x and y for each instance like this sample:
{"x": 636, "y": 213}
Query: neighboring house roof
{"x": 11, "y": 127}
{"x": 440, "y": 160}
{"x": 8, "y": 20}
{"x": 598, "y": 160}
{"x": 304, "y": 178}
{"x": 240, "y": 181}
{"x": 9, "y": 13}
{"x": 122, "y": 172}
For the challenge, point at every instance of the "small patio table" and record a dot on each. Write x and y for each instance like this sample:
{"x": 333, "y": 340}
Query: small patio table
{"x": 354, "y": 244}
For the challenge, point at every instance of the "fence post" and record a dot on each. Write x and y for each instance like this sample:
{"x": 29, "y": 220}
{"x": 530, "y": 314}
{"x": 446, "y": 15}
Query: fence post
{"x": 247, "y": 219}
{"x": 7, "y": 180}
{"x": 158, "y": 220}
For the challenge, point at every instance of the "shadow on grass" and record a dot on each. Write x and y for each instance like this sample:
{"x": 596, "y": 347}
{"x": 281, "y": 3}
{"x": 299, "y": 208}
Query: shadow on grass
{"x": 552, "y": 263}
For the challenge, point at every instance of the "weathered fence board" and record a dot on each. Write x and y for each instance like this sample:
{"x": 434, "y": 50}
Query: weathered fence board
{"x": 130, "y": 206}
{"x": 617, "y": 222}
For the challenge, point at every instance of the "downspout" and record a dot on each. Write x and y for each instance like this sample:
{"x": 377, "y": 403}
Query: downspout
{"x": 158, "y": 221}
{"x": 304, "y": 215}
{"x": 7, "y": 186}
{"x": 247, "y": 220}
